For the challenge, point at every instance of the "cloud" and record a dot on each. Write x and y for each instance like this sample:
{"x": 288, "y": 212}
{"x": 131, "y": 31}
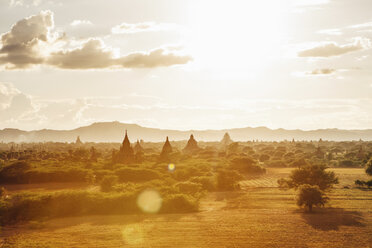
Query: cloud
{"x": 26, "y": 3}
{"x": 361, "y": 25}
{"x": 31, "y": 41}
{"x": 13, "y": 103}
{"x": 332, "y": 31}
{"x": 323, "y": 71}
{"x": 131, "y": 28}
{"x": 80, "y": 22}
{"x": 22, "y": 45}
{"x": 94, "y": 55}
{"x": 333, "y": 49}
{"x": 155, "y": 58}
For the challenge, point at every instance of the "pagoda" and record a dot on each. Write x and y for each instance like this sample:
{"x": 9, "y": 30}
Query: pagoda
{"x": 226, "y": 140}
{"x": 138, "y": 148}
{"x": 78, "y": 141}
{"x": 126, "y": 153}
{"x": 192, "y": 145}
{"x": 167, "y": 149}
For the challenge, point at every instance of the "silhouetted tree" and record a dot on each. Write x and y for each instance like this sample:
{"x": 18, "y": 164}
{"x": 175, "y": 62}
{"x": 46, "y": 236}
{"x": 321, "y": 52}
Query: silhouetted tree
{"x": 312, "y": 175}
{"x": 310, "y": 195}
{"x": 369, "y": 167}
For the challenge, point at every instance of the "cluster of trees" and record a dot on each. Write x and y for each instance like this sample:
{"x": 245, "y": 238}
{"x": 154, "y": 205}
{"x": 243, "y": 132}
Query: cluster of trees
{"x": 311, "y": 182}
{"x": 199, "y": 167}
{"x": 368, "y": 169}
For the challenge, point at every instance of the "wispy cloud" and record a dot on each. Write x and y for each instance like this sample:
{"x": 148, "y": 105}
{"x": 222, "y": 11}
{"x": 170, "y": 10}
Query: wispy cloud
{"x": 330, "y": 49}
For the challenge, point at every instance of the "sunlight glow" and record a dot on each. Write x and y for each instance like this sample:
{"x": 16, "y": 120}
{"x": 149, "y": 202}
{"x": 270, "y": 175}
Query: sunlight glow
{"x": 171, "y": 167}
{"x": 133, "y": 234}
{"x": 237, "y": 35}
{"x": 149, "y": 201}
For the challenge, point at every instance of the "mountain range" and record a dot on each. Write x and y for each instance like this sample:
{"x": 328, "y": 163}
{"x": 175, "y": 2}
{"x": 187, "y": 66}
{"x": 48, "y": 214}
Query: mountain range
{"x": 114, "y": 132}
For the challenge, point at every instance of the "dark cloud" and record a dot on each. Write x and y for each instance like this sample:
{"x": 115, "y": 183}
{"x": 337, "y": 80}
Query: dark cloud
{"x": 332, "y": 49}
{"x": 21, "y": 46}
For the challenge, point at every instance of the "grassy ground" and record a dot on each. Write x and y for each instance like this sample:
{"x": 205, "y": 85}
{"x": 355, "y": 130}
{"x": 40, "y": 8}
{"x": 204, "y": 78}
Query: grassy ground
{"x": 260, "y": 215}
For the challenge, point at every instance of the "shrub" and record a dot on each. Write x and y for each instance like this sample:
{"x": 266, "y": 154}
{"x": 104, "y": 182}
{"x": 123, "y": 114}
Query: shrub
{"x": 246, "y": 165}
{"x": 360, "y": 183}
{"x": 264, "y": 157}
{"x": 189, "y": 187}
{"x": 276, "y": 164}
{"x": 3, "y": 192}
{"x": 14, "y": 173}
{"x": 179, "y": 203}
{"x": 312, "y": 175}
{"x": 136, "y": 174}
{"x": 108, "y": 182}
{"x": 228, "y": 179}
{"x": 33, "y": 206}
{"x": 346, "y": 163}
{"x": 207, "y": 182}
{"x": 310, "y": 195}
{"x": 369, "y": 167}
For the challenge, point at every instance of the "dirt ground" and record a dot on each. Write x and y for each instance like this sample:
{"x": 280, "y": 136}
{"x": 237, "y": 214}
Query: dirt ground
{"x": 260, "y": 215}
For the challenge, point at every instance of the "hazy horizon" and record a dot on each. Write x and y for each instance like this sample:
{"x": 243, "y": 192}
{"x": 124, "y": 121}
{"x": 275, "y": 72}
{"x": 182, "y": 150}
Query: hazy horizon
{"x": 186, "y": 64}
{"x": 185, "y": 130}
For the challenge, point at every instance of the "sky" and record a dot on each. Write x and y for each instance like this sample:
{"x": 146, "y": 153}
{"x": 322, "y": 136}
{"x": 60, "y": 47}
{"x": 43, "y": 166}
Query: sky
{"x": 293, "y": 64}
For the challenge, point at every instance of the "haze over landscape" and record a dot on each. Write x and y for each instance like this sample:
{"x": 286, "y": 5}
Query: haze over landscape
{"x": 114, "y": 132}
{"x": 184, "y": 65}
{"x": 185, "y": 123}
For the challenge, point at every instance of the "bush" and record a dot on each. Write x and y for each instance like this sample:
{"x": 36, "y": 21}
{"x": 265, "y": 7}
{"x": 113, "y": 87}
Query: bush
{"x": 369, "y": 167}
{"x": 360, "y": 183}
{"x": 264, "y": 157}
{"x": 346, "y": 163}
{"x": 207, "y": 182}
{"x": 179, "y": 203}
{"x": 276, "y": 164}
{"x": 14, "y": 173}
{"x": 228, "y": 179}
{"x": 246, "y": 165}
{"x": 108, "y": 182}
{"x": 189, "y": 188}
{"x": 33, "y": 206}
{"x": 310, "y": 195}
{"x": 21, "y": 172}
{"x": 136, "y": 174}
{"x": 313, "y": 175}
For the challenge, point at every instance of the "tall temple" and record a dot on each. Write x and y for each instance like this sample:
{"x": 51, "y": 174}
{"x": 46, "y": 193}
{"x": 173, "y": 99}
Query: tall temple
{"x": 138, "y": 148}
{"x": 192, "y": 145}
{"x": 167, "y": 149}
{"x": 78, "y": 141}
{"x": 126, "y": 153}
{"x": 226, "y": 140}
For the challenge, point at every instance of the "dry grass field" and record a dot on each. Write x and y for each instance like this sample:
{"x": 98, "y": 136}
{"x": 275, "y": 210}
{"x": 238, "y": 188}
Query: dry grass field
{"x": 260, "y": 215}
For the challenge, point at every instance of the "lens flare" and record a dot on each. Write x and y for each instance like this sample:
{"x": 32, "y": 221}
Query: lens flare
{"x": 171, "y": 167}
{"x": 149, "y": 201}
{"x": 133, "y": 234}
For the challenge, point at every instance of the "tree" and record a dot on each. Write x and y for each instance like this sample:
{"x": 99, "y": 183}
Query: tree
{"x": 108, "y": 182}
{"x": 310, "y": 195}
{"x": 315, "y": 175}
{"x": 369, "y": 167}
{"x": 228, "y": 179}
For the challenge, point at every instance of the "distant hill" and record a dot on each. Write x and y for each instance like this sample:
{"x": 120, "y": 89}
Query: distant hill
{"x": 114, "y": 132}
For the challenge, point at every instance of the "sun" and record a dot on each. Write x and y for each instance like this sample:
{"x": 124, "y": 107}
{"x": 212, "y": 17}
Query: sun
{"x": 236, "y": 35}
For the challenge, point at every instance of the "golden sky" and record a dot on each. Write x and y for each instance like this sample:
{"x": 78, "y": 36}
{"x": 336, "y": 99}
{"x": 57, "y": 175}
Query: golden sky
{"x": 186, "y": 64}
